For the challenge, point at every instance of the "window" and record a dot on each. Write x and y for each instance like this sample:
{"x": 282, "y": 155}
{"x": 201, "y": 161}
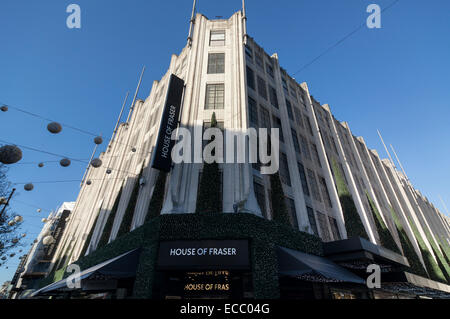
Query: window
{"x": 292, "y": 212}
{"x": 251, "y": 79}
{"x": 304, "y": 147}
{"x": 314, "y": 186}
{"x": 316, "y": 154}
{"x": 217, "y": 38}
{"x": 293, "y": 92}
{"x": 284, "y": 170}
{"x": 308, "y": 124}
{"x": 216, "y": 63}
{"x": 215, "y": 96}
{"x": 312, "y": 220}
{"x": 273, "y": 97}
{"x": 270, "y": 70}
{"x": 253, "y": 112}
{"x": 325, "y": 193}
{"x": 285, "y": 86}
{"x": 289, "y": 110}
{"x": 249, "y": 52}
{"x": 334, "y": 228}
{"x": 295, "y": 140}
{"x": 301, "y": 170}
{"x": 259, "y": 60}
{"x": 298, "y": 116}
{"x": 265, "y": 119}
{"x": 262, "y": 88}
{"x": 260, "y": 193}
{"x": 326, "y": 236}
{"x": 277, "y": 124}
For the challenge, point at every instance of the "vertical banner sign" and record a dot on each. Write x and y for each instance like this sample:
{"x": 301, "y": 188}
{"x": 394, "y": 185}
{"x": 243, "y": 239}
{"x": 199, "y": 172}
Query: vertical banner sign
{"x": 162, "y": 154}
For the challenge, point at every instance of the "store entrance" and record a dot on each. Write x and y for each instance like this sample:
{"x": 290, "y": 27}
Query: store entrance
{"x": 215, "y": 284}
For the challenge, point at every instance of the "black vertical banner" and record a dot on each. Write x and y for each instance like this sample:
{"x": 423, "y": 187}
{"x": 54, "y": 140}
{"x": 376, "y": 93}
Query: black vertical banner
{"x": 162, "y": 154}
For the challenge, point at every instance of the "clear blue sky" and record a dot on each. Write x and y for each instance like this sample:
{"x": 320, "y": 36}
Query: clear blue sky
{"x": 394, "y": 79}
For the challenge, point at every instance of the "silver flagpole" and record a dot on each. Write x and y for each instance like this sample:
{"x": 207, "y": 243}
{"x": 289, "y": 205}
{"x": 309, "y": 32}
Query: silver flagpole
{"x": 118, "y": 120}
{"x": 135, "y": 94}
{"x": 191, "y": 23}
{"x": 400, "y": 163}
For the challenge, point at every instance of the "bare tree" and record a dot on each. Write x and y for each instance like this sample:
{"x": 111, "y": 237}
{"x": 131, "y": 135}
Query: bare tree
{"x": 9, "y": 236}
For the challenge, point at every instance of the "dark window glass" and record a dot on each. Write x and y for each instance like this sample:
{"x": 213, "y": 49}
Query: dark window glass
{"x": 261, "y": 197}
{"x": 325, "y": 193}
{"x": 289, "y": 110}
{"x": 253, "y": 112}
{"x": 262, "y": 88}
{"x": 301, "y": 170}
{"x": 216, "y": 63}
{"x": 312, "y": 220}
{"x": 277, "y": 124}
{"x": 334, "y": 228}
{"x": 314, "y": 186}
{"x": 215, "y": 96}
{"x": 292, "y": 212}
{"x": 295, "y": 140}
{"x": 251, "y": 79}
{"x": 284, "y": 170}
{"x": 273, "y": 97}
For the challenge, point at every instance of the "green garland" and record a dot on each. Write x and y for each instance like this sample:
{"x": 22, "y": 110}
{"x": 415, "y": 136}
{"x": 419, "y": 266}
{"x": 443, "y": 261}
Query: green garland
{"x": 385, "y": 235}
{"x": 433, "y": 269}
{"x": 415, "y": 266}
{"x": 209, "y": 197}
{"x": 157, "y": 201}
{"x": 263, "y": 235}
{"x": 127, "y": 219}
{"x": 353, "y": 223}
{"x": 109, "y": 223}
{"x": 279, "y": 209}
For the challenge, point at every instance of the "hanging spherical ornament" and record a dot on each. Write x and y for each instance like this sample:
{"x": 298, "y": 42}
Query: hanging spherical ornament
{"x": 108, "y": 171}
{"x": 20, "y": 251}
{"x": 41, "y": 165}
{"x": 24, "y": 235}
{"x": 14, "y": 240}
{"x": 96, "y": 162}
{"x": 11, "y": 223}
{"x": 54, "y": 128}
{"x": 28, "y": 187}
{"x": 35, "y": 241}
{"x": 39, "y": 210}
{"x": 44, "y": 220}
{"x": 3, "y": 200}
{"x": 65, "y": 162}
{"x": 89, "y": 182}
{"x": 10, "y": 154}
{"x": 4, "y": 258}
{"x": 48, "y": 240}
{"x": 18, "y": 219}
{"x": 98, "y": 140}
{"x": 4, "y": 108}
{"x": 133, "y": 150}
{"x": 12, "y": 255}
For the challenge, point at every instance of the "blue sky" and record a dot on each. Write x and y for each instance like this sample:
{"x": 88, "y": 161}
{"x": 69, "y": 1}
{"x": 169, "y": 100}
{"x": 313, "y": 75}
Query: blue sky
{"x": 394, "y": 79}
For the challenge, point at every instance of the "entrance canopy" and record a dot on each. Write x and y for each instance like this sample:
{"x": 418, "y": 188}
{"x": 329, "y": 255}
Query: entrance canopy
{"x": 121, "y": 267}
{"x": 358, "y": 253}
{"x": 312, "y": 268}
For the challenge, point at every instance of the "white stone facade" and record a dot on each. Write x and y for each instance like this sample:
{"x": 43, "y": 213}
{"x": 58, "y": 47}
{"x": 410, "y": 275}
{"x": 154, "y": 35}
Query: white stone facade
{"x": 305, "y": 123}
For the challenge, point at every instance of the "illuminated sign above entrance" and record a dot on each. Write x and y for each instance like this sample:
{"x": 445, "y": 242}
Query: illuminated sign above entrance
{"x": 207, "y": 255}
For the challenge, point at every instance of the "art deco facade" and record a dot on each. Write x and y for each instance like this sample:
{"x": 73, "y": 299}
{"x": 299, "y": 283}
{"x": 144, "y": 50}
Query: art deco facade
{"x": 227, "y": 73}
